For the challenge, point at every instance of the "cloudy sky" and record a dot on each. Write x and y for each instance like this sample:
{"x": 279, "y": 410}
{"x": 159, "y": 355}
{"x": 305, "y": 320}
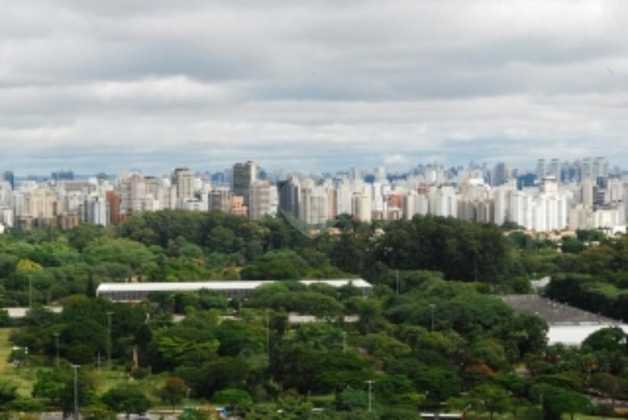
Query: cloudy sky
{"x": 313, "y": 85}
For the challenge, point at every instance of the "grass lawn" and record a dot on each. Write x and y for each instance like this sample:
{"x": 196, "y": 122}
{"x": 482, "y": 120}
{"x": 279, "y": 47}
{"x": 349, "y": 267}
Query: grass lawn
{"x": 23, "y": 377}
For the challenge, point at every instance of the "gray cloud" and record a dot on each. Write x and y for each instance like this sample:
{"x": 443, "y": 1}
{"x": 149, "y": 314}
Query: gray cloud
{"x": 309, "y": 85}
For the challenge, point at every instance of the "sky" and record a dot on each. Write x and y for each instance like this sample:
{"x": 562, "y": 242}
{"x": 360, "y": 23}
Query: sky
{"x": 94, "y": 85}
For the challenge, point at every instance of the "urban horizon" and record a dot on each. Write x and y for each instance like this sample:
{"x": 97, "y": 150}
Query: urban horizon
{"x": 557, "y": 196}
{"x": 392, "y": 167}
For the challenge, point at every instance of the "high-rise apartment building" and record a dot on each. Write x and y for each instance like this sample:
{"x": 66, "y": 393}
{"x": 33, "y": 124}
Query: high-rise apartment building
{"x": 114, "y": 215}
{"x": 219, "y": 199}
{"x": 587, "y": 192}
{"x": 132, "y": 189}
{"x": 95, "y": 211}
{"x": 314, "y": 203}
{"x": 183, "y": 181}
{"x": 361, "y": 207}
{"x": 444, "y": 201}
{"x": 261, "y": 199}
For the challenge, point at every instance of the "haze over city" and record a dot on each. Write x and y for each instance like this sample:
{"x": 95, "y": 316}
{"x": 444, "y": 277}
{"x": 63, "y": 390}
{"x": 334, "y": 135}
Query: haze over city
{"x": 316, "y": 86}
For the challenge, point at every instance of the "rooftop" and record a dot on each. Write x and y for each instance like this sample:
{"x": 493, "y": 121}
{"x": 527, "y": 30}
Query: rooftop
{"x": 568, "y": 325}
{"x": 554, "y": 313}
{"x": 216, "y": 285}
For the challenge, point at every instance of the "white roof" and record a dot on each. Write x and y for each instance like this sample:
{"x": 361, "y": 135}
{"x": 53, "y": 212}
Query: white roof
{"x": 215, "y": 285}
{"x": 21, "y": 312}
{"x": 574, "y": 335}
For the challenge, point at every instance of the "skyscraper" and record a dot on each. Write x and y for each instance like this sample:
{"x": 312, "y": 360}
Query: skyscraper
{"x": 261, "y": 199}
{"x": 361, "y": 207}
{"x": 220, "y": 199}
{"x": 244, "y": 175}
{"x": 554, "y": 169}
{"x": 183, "y": 180}
{"x": 9, "y": 177}
{"x": 113, "y": 207}
{"x": 587, "y": 192}
{"x": 289, "y": 193}
{"x": 540, "y": 169}
{"x": 501, "y": 174}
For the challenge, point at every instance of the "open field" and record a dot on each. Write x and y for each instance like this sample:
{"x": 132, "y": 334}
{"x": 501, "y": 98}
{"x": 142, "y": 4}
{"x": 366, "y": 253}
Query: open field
{"x": 23, "y": 376}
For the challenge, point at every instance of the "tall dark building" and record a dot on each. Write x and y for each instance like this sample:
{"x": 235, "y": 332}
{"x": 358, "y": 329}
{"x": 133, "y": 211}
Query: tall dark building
{"x": 244, "y": 175}
{"x": 500, "y": 174}
{"x": 9, "y": 177}
{"x": 62, "y": 176}
{"x": 289, "y": 191}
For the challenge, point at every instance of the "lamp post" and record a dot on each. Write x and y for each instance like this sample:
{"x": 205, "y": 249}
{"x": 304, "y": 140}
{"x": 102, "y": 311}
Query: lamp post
{"x": 76, "y": 398}
{"x": 344, "y": 341}
{"x": 432, "y": 307}
{"x": 397, "y": 281}
{"x": 370, "y": 382}
{"x": 56, "y": 335}
{"x": 109, "y": 314}
{"x": 268, "y": 335}
{"x": 30, "y": 292}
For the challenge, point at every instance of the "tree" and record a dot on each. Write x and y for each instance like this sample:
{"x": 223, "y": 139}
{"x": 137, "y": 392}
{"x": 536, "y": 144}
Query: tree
{"x": 491, "y": 399}
{"x": 276, "y": 265}
{"x": 135, "y": 255}
{"x": 612, "y": 340}
{"x": 173, "y": 391}
{"x": 558, "y": 401}
{"x": 49, "y": 385}
{"x": 8, "y": 392}
{"x": 237, "y": 399}
{"x": 57, "y": 386}
{"x": 126, "y": 399}
{"x": 193, "y": 414}
{"x": 8, "y": 265}
{"x": 350, "y": 399}
{"x": 26, "y": 266}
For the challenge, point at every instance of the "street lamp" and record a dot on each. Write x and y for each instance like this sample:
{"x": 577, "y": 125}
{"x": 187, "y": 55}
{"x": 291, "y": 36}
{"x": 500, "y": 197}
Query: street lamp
{"x": 109, "y": 314}
{"x": 30, "y": 292}
{"x": 370, "y": 382}
{"x": 76, "y": 399}
{"x": 397, "y": 281}
{"x": 267, "y": 312}
{"x": 56, "y": 335}
{"x": 432, "y": 308}
{"x": 344, "y": 341}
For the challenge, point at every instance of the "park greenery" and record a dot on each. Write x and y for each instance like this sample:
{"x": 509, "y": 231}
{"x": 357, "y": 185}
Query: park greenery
{"x": 433, "y": 335}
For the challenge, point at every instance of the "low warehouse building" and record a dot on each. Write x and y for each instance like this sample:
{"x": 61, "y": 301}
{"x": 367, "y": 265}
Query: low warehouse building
{"x": 127, "y": 292}
{"x": 568, "y": 325}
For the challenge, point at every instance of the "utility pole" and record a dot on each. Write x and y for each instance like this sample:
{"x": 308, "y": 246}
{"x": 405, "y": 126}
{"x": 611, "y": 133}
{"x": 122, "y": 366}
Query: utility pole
{"x": 370, "y": 382}
{"x": 56, "y": 335}
{"x": 109, "y": 314}
{"x": 432, "y": 307}
{"x": 76, "y": 399}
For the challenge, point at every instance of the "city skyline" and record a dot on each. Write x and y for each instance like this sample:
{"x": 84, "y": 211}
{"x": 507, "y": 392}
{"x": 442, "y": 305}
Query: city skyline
{"x": 392, "y": 168}
{"x": 559, "y": 196}
{"x": 310, "y": 86}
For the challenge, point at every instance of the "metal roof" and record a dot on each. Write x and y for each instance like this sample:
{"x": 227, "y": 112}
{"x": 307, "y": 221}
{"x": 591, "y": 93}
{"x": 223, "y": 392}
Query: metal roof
{"x": 216, "y": 285}
{"x": 574, "y": 335}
